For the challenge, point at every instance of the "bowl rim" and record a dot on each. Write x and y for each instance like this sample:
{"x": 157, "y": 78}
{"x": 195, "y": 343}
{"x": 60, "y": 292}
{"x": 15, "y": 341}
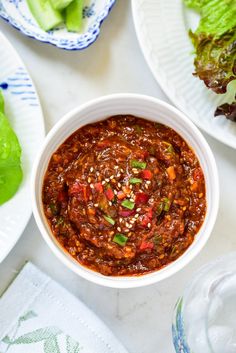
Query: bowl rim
{"x": 56, "y": 43}
{"x": 153, "y": 277}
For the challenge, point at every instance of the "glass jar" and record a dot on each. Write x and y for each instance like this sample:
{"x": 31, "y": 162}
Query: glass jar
{"x": 205, "y": 317}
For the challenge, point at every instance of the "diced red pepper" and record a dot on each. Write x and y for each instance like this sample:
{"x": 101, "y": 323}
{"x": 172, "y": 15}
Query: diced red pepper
{"x": 146, "y": 245}
{"x": 126, "y": 213}
{"x": 150, "y": 213}
{"x": 197, "y": 174}
{"x": 143, "y": 154}
{"x": 80, "y": 190}
{"x": 76, "y": 188}
{"x": 103, "y": 144}
{"x": 109, "y": 194}
{"x": 141, "y": 198}
{"x": 146, "y": 174}
{"x": 98, "y": 187}
{"x": 121, "y": 195}
{"x": 144, "y": 220}
{"x": 61, "y": 196}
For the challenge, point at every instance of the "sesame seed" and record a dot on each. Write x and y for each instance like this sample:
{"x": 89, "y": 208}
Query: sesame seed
{"x": 132, "y": 221}
{"x": 119, "y": 185}
{"x": 118, "y": 175}
{"x": 148, "y": 182}
{"x": 107, "y": 180}
{"x": 122, "y": 170}
{"x": 128, "y": 196}
{"x": 110, "y": 203}
{"x": 103, "y": 182}
{"x": 91, "y": 185}
{"x": 120, "y": 219}
{"x": 119, "y": 229}
{"x": 146, "y": 186}
{"x": 111, "y": 177}
{"x": 138, "y": 209}
{"x": 132, "y": 200}
{"x": 137, "y": 215}
{"x": 149, "y": 225}
{"x": 126, "y": 230}
{"x": 130, "y": 226}
{"x": 136, "y": 172}
{"x": 96, "y": 205}
{"x": 91, "y": 169}
{"x": 131, "y": 187}
{"x": 116, "y": 167}
{"x": 115, "y": 192}
{"x": 89, "y": 180}
{"x": 127, "y": 224}
{"x": 97, "y": 173}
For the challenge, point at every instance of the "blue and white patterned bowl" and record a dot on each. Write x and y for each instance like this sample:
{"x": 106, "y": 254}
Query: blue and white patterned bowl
{"x": 17, "y": 13}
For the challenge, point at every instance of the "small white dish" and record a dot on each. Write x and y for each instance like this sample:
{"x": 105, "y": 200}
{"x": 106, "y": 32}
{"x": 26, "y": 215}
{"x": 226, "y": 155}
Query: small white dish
{"x": 141, "y": 106}
{"x": 25, "y": 115}
{"x": 17, "y": 13}
{"x": 162, "y": 29}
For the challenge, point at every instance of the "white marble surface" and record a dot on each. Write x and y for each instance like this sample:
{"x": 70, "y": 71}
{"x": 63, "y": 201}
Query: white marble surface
{"x": 140, "y": 318}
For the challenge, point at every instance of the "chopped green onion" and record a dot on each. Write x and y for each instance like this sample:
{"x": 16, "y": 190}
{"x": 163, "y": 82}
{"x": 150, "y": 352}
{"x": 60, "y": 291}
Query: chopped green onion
{"x": 128, "y": 204}
{"x": 157, "y": 239}
{"x": 138, "y": 164}
{"x": 135, "y": 181}
{"x": 166, "y": 205}
{"x": 170, "y": 149}
{"x": 109, "y": 220}
{"x": 120, "y": 239}
{"x": 152, "y": 151}
{"x": 138, "y": 128}
{"x": 160, "y": 208}
{"x": 54, "y": 208}
{"x": 60, "y": 220}
{"x": 174, "y": 250}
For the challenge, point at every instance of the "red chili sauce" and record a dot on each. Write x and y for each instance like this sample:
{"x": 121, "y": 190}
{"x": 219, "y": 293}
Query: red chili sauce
{"x": 124, "y": 196}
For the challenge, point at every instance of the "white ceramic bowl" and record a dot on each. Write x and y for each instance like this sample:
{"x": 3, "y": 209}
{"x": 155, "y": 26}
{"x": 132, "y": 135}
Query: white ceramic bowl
{"x": 149, "y": 108}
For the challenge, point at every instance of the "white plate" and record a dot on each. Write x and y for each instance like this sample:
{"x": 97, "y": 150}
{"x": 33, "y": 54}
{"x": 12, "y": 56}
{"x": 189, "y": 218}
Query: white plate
{"x": 24, "y": 112}
{"x": 162, "y": 29}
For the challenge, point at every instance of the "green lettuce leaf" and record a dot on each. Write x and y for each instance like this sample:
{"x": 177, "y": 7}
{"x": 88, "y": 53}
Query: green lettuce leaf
{"x": 10, "y": 158}
{"x": 215, "y": 42}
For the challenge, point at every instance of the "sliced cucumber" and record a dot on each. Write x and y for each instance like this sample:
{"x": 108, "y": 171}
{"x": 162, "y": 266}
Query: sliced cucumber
{"x": 74, "y": 16}
{"x": 60, "y": 4}
{"x": 44, "y": 13}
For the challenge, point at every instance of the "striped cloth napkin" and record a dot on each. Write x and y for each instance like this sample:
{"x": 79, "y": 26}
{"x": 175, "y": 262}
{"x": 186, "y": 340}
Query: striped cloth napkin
{"x": 37, "y": 315}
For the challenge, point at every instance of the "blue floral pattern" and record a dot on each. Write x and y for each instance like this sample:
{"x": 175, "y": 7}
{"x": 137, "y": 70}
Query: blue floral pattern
{"x": 16, "y": 12}
{"x": 178, "y": 331}
{"x": 19, "y": 84}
